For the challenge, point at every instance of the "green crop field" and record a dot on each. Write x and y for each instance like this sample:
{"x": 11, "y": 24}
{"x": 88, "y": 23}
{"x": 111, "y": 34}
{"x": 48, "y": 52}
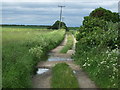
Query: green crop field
{"x": 22, "y": 48}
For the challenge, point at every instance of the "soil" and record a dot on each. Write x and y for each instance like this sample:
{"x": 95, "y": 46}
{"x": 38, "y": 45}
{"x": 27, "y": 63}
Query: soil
{"x": 42, "y": 80}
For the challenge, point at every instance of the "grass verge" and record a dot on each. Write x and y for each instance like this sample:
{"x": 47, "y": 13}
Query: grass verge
{"x": 63, "y": 77}
{"x": 69, "y": 44}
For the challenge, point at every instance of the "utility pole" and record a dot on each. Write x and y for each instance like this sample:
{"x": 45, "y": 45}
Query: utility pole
{"x": 62, "y": 21}
{"x": 60, "y": 15}
{"x": 119, "y": 8}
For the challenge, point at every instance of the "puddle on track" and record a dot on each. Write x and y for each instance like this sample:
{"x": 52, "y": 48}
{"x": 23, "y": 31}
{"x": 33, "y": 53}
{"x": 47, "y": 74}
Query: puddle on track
{"x": 74, "y": 71}
{"x": 50, "y": 57}
{"x": 42, "y": 70}
{"x": 58, "y": 59}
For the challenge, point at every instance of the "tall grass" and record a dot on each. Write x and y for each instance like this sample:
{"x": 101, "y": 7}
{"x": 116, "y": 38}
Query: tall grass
{"x": 21, "y": 51}
{"x": 63, "y": 77}
{"x": 69, "y": 44}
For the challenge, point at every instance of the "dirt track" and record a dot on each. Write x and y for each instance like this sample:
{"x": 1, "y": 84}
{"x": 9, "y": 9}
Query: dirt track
{"x": 43, "y": 80}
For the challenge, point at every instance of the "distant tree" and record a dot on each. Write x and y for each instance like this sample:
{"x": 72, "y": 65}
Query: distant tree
{"x": 107, "y": 15}
{"x": 56, "y": 25}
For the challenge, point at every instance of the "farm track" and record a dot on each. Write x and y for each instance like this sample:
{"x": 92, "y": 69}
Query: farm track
{"x": 43, "y": 80}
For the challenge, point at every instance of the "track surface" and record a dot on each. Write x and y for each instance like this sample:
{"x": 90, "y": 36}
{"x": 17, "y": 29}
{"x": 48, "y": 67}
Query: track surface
{"x": 43, "y": 80}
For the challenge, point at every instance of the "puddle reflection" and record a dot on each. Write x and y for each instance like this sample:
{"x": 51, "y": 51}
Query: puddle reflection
{"x": 42, "y": 70}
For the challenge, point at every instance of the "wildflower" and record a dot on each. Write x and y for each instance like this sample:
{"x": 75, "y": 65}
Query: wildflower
{"x": 107, "y": 51}
{"x": 113, "y": 77}
{"x": 114, "y": 84}
{"x": 107, "y": 66}
{"x": 88, "y": 64}
{"x": 84, "y": 65}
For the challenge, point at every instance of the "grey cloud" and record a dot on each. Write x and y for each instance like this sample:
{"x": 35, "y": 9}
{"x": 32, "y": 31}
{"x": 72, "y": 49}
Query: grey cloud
{"x": 48, "y": 12}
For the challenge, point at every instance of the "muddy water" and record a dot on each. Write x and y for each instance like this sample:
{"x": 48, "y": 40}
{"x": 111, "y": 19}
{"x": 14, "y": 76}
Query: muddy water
{"x": 42, "y": 70}
{"x": 58, "y": 59}
{"x": 54, "y": 57}
{"x": 51, "y": 57}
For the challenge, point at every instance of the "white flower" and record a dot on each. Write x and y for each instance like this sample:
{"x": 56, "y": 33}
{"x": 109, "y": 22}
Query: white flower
{"x": 107, "y": 66}
{"x": 102, "y": 62}
{"x": 113, "y": 84}
{"x": 113, "y": 77}
{"x": 107, "y": 51}
{"x": 114, "y": 64}
{"x": 84, "y": 65}
{"x": 88, "y": 64}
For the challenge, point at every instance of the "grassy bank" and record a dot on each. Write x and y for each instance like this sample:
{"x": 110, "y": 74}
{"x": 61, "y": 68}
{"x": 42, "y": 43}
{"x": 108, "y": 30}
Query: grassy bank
{"x": 63, "y": 77}
{"x": 21, "y": 50}
{"x": 69, "y": 44}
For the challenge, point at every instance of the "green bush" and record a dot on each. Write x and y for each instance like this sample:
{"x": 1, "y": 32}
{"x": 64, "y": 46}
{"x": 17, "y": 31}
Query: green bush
{"x": 97, "y": 51}
{"x": 90, "y": 22}
{"x": 107, "y": 15}
{"x": 56, "y": 25}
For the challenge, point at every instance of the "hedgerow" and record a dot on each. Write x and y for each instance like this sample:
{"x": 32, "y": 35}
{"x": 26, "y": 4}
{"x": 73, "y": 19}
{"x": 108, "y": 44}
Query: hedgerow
{"x": 97, "y": 51}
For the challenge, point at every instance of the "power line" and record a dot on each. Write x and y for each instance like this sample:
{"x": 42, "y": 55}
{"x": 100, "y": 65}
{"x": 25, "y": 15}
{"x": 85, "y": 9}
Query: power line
{"x": 60, "y": 14}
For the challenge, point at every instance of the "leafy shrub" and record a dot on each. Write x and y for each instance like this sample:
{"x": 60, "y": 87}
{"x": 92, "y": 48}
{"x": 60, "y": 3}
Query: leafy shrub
{"x": 56, "y": 25}
{"x": 97, "y": 51}
{"x": 90, "y": 22}
{"x": 107, "y": 15}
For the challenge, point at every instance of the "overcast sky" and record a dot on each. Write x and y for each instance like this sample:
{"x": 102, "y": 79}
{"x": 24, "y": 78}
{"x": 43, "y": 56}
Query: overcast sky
{"x": 46, "y": 12}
